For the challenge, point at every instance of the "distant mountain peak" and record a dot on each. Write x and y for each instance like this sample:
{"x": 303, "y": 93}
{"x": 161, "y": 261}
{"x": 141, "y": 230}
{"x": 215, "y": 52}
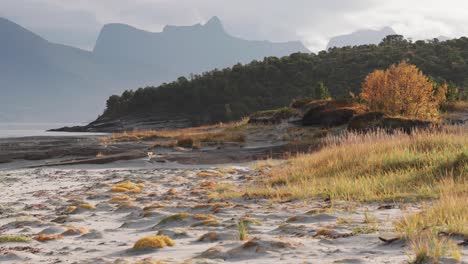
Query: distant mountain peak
{"x": 361, "y": 37}
{"x": 215, "y": 24}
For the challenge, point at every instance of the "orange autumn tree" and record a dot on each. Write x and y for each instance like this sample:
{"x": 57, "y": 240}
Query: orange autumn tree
{"x": 403, "y": 90}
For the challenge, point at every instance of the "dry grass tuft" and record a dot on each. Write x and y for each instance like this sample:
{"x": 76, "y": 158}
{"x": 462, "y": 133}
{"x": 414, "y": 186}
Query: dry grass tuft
{"x": 174, "y": 217}
{"x": 219, "y": 133}
{"x": 429, "y": 231}
{"x": 448, "y": 215}
{"x": 44, "y": 237}
{"x": 128, "y": 187}
{"x": 208, "y": 174}
{"x": 243, "y": 231}
{"x": 119, "y": 198}
{"x": 212, "y": 236}
{"x": 372, "y": 167}
{"x": 152, "y": 242}
{"x": 14, "y": 239}
{"x": 75, "y": 231}
{"x": 71, "y": 209}
{"x": 428, "y": 247}
{"x": 325, "y": 232}
{"x": 87, "y": 206}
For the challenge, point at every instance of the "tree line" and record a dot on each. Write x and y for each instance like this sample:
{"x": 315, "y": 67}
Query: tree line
{"x": 232, "y": 93}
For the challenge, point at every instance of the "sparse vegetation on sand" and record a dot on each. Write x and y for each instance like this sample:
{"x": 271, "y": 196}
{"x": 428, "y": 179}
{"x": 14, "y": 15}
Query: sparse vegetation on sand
{"x": 448, "y": 215}
{"x": 127, "y": 186}
{"x": 14, "y": 239}
{"x": 429, "y": 247}
{"x": 243, "y": 231}
{"x": 45, "y": 237}
{"x": 372, "y": 167}
{"x": 215, "y": 133}
{"x": 153, "y": 242}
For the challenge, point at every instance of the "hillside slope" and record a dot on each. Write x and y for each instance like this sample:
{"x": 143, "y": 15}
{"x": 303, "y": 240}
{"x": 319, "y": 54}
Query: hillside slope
{"x": 232, "y": 93}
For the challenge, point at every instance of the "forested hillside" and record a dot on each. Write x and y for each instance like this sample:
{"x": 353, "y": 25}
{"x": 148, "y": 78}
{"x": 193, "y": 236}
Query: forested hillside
{"x": 231, "y": 93}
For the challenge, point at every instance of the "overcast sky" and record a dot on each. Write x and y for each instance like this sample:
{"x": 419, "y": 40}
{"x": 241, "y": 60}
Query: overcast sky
{"x": 77, "y": 22}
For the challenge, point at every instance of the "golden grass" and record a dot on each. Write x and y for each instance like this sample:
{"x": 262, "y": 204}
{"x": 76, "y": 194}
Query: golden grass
{"x": 44, "y": 237}
{"x": 207, "y": 174}
{"x": 428, "y": 247}
{"x": 458, "y": 106}
{"x": 128, "y": 186}
{"x": 211, "y": 236}
{"x": 87, "y": 206}
{"x": 448, "y": 215}
{"x": 76, "y": 231}
{"x": 372, "y": 167}
{"x": 214, "y": 133}
{"x": 152, "y": 242}
{"x": 243, "y": 231}
{"x": 14, "y": 239}
{"x": 119, "y": 198}
{"x": 71, "y": 209}
{"x": 429, "y": 232}
{"x": 174, "y": 217}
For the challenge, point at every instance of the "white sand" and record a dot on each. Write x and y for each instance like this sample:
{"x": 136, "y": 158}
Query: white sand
{"x": 31, "y": 201}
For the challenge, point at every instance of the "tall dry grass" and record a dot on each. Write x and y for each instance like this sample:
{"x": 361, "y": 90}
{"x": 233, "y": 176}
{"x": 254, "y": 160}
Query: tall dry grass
{"x": 221, "y": 132}
{"x": 373, "y": 167}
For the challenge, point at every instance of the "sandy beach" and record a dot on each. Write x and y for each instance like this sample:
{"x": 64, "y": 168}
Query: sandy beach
{"x": 89, "y": 221}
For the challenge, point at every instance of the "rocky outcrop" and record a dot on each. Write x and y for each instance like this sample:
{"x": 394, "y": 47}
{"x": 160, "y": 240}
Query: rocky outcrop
{"x": 375, "y": 120}
{"x": 330, "y": 112}
{"x": 129, "y": 123}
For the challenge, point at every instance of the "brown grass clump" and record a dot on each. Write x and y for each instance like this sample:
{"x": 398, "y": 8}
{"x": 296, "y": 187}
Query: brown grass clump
{"x": 153, "y": 242}
{"x": 208, "y": 174}
{"x": 373, "y": 167}
{"x": 174, "y": 217}
{"x": 212, "y": 206}
{"x": 211, "y": 236}
{"x": 458, "y": 106}
{"x": 125, "y": 204}
{"x": 71, "y": 209}
{"x": 214, "y": 133}
{"x": 153, "y": 206}
{"x": 171, "y": 191}
{"x": 128, "y": 186}
{"x": 324, "y": 232}
{"x": 87, "y": 206}
{"x": 202, "y": 216}
{"x": 119, "y": 198}
{"x": 44, "y": 237}
{"x": 149, "y": 261}
{"x": 75, "y": 231}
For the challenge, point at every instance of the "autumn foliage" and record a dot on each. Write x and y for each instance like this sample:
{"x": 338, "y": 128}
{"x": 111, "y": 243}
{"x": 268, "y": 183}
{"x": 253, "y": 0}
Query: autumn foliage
{"x": 403, "y": 90}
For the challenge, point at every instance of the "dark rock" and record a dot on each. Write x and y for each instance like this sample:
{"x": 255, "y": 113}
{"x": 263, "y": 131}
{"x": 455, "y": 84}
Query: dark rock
{"x": 376, "y": 120}
{"x": 330, "y": 112}
{"x": 365, "y": 121}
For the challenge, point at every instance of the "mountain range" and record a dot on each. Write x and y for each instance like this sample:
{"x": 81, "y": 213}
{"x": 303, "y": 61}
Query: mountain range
{"x": 44, "y": 81}
{"x": 360, "y": 37}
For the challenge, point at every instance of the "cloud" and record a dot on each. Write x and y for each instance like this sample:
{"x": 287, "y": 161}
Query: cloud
{"x": 311, "y": 21}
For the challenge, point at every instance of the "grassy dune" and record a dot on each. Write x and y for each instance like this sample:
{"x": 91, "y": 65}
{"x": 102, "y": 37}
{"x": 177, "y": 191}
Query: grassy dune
{"x": 373, "y": 167}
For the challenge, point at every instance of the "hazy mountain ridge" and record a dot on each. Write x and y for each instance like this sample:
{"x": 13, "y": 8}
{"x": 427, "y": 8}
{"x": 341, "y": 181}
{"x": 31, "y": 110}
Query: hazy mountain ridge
{"x": 360, "y": 37}
{"x": 40, "y": 80}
